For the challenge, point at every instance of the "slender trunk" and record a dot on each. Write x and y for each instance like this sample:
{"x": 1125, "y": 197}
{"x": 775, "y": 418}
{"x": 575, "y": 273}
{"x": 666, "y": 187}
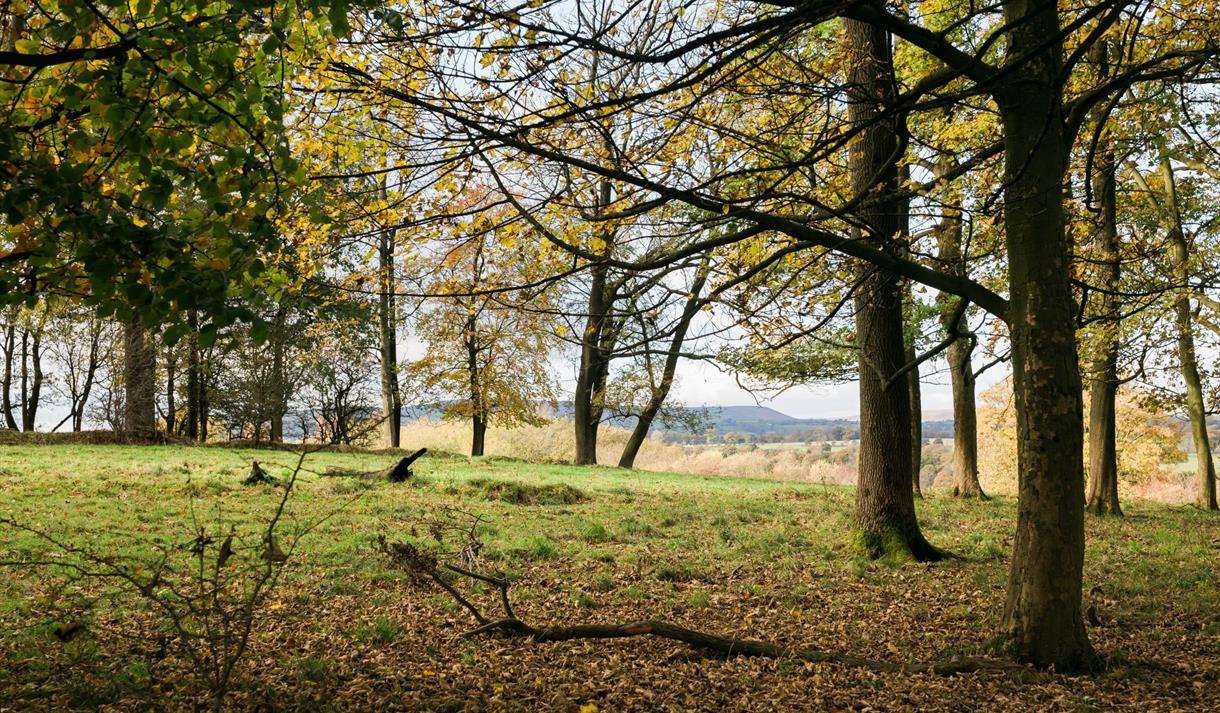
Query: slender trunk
{"x": 594, "y": 362}
{"x": 30, "y": 410}
{"x": 78, "y": 406}
{"x": 1195, "y": 407}
{"x": 391, "y": 398}
{"x": 192, "y": 380}
{"x": 10, "y": 348}
{"x": 139, "y": 380}
{"x": 1103, "y": 373}
{"x": 25, "y": 380}
{"x": 885, "y": 505}
{"x": 961, "y": 369}
{"x": 1042, "y": 612}
{"x": 279, "y": 380}
{"x": 171, "y": 367}
{"x": 913, "y": 386}
{"x": 659, "y": 394}
{"x": 478, "y": 406}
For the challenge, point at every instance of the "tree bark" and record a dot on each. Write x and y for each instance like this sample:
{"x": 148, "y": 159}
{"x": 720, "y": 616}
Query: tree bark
{"x": 885, "y": 505}
{"x": 959, "y": 353}
{"x": 192, "y": 380}
{"x": 391, "y": 397}
{"x": 1043, "y": 615}
{"x": 10, "y": 350}
{"x": 595, "y": 345}
{"x": 280, "y": 389}
{"x": 1195, "y": 406}
{"x": 171, "y": 386}
{"x": 139, "y": 380}
{"x": 1102, "y": 496}
{"x": 478, "y": 407}
{"x": 644, "y": 421}
{"x": 916, "y": 397}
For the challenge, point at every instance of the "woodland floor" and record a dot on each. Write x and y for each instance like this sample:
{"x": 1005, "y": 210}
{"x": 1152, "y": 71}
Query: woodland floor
{"x": 740, "y": 557}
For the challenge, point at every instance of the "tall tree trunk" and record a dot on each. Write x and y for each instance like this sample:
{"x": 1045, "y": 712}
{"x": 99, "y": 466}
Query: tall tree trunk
{"x": 391, "y": 397}
{"x": 193, "y": 380}
{"x": 674, "y": 353}
{"x": 478, "y": 405}
{"x": 916, "y": 397}
{"x": 10, "y": 350}
{"x": 29, "y": 410}
{"x": 885, "y": 505}
{"x": 1103, "y": 373}
{"x": 139, "y": 380}
{"x": 279, "y": 379}
{"x": 78, "y": 405}
{"x": 594, "y": 360}
{"x": 171, "y": 368}
{"x": 25, "y": 380}
{"x": 1042, "y": 612}
{"x": 1195, "y": 408}
{"x": 961, "y": 368}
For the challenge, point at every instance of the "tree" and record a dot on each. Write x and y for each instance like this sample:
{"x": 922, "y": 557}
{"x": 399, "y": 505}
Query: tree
{"x": 1021, "y": 61}
{"x": 78, "y": 344}
{"x": 488, "y": 349}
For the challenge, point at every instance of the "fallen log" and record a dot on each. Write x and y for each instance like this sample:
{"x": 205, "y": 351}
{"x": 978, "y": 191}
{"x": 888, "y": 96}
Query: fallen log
{"x": 396, "y": 473}
{"x": 425, "y": 566}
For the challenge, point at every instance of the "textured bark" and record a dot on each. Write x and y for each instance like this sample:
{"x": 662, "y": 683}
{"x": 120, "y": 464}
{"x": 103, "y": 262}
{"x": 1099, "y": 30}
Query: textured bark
{"x": 596, "y": 344}
{"x": 916, "y": 397}
{"x": 193, "y": 380}
{"x": 1195, "y": 406}
{"x": 885, "y": 504}
{"x": 31, "y": 377}
{"x": 10, "y": 350}
{"x": 961, "y": 369}
{"x": 1043, "y": 615}
{"x": 661, "y": 391}
{"x": 281, "y": 388}
{"x": 1102, "y": 496}
{"x": 478, "y": 409}
{"x": 391, "y": 397}
{"x": 139, "y": 380}
{"x": 171, "y": 369}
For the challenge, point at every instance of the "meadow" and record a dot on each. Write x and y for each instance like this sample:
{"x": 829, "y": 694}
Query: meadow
{"x": 347, "y": 629}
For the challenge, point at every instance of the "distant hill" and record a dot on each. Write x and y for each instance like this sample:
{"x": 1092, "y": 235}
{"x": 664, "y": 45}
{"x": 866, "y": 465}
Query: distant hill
{"x": 747, "y": 422}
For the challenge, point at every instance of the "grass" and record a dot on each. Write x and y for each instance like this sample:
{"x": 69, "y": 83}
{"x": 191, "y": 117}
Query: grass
{"x": 755, "y": 557}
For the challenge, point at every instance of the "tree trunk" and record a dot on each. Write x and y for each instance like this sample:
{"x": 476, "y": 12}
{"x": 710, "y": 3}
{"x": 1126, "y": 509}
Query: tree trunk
{"x": 916, "y": 397}
{"x": 78, "y": 405}
{"x": 1042, "y": 612}
{"x": 885, "y": 505}
{"x": 139, "y": 380}
{"x": 171, "y": 369}
{"x": 1103, "y": 373}
{"x": 391, "y": 397}
{"x": 644, "y": 422}
{"x": 959, "y": 354}
{"x": 478, "y": 435}
{"x": 1195, "y": 408}
{"x": 192, "y": 380}
{"x": 10, "y": 349}
{"x": 594, "y": 360}
{"x": 29, "y": 410}
{"x": 279, "y": 379}
{"x": 25, "y": 380}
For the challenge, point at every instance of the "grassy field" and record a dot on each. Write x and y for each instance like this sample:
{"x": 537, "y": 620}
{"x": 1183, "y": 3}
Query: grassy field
{"x": 753, "y": 558}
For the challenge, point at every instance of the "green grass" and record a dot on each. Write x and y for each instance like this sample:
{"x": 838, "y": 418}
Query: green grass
{"x": 578, "y": 542}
